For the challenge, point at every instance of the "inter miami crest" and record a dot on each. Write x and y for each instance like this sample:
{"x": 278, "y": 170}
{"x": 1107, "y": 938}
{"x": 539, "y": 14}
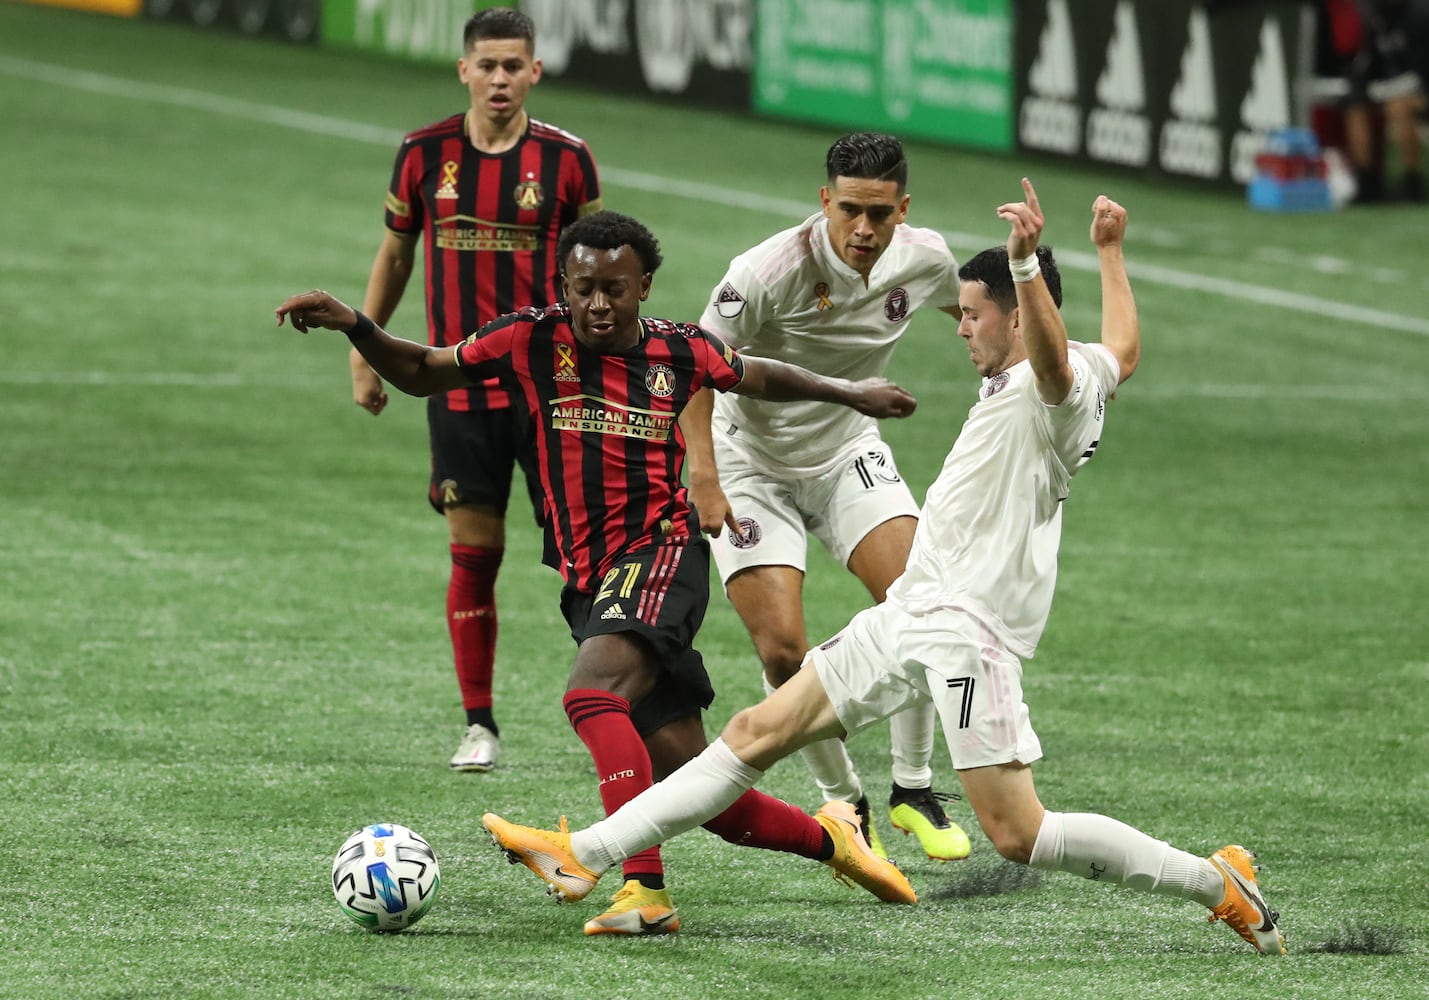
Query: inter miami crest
{"x": 992, "y": 386}
{"x": 749, "y": 534}
{"x": 895, "y": 307}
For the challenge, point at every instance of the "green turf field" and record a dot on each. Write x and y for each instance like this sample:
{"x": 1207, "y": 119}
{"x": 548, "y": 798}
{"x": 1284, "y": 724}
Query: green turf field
{"x": 221, "y": 641}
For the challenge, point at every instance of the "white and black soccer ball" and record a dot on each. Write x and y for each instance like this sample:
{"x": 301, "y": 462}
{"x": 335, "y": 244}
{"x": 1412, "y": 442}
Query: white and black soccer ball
{"x": 385, "y": 877}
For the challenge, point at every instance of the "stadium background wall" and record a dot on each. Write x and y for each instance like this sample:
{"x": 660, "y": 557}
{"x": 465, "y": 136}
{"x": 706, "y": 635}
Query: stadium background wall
{"x": 1180, "y": 87}
{"x": 1183, "y": 88}
{"x": 292, "y": 20}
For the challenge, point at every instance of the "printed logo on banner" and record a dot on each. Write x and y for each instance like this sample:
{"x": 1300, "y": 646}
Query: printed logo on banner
{"x": 1266, "y": 105}
{"x": 773, "y": 38}
{"x": 1190, "y": 140}
{"x": 1049, "y": 117}
{"x": 564, "y": 24}
{"x": 1118, "y": 131}
{"x": 899, "y": 79}
{"x": 400, "y": 27}
{"x": 675, "y": 35}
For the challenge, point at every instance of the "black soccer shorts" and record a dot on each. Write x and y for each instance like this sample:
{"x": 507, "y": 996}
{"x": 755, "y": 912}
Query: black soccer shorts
{"x": 660, "y": 594}
{"x": 474, "y": 453}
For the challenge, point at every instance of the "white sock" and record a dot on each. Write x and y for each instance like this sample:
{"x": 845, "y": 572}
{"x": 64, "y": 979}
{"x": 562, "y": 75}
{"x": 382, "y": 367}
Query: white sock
{"x": 829, "y": 763}
{"x": 911, "y": 736}
{"x": 1107, "y": 850}
{"x": 697, "y": 792}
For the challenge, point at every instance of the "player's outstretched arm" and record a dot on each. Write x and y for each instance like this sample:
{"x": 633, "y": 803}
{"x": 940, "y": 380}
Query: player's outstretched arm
{"x": 705, "y": 491}
{"x": 391, "y": 269}
{"x": 1121, "y": 330}
{"x": 414, "y": 368}
{"x": 1043, "y": 333}
{"x": 776, "y": 381}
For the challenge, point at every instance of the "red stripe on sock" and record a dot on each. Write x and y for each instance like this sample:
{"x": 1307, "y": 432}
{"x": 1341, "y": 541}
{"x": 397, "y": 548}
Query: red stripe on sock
{"x": 602, "y": 721}
{"x": 759, "y": 820}
{"x": 471, "y": 620}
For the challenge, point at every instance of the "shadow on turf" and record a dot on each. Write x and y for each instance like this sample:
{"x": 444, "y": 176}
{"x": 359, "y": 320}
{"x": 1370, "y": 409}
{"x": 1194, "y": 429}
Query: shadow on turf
{"x": 1363, "y": 939}
{"x": 993, "y": 878}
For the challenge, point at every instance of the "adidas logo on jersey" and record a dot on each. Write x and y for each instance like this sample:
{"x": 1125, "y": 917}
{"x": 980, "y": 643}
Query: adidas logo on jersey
{"x": 1267, "y": 103}
{"x": 1118, "y": 131}
{"x": 613, "y": 613}
{"x": 1049, "y": 117}
{"x": 1190, "y": 141}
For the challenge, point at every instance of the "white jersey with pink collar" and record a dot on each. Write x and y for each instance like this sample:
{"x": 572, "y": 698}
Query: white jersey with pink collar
{"x": 991, "y": 525}
{"x": 792, "y": 299}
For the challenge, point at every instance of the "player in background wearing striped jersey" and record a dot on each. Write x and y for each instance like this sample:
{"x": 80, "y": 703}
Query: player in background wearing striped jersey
{"x": 487, "y": 192}
{"x": 833, "y": 294}
{"x": 970, "y": 607}
{"x": 604, "y": 388}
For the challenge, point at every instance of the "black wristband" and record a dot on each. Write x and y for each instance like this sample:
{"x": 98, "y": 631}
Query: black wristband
{"x": 362, "y": 329}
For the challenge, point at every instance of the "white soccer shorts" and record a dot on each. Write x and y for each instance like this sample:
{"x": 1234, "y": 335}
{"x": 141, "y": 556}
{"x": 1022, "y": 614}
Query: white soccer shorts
{"x": 777, "y": 512}
{"x": 886, "y": 660}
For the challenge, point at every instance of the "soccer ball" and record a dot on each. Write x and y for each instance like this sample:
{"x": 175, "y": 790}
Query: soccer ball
{"x": 385, "y": 877}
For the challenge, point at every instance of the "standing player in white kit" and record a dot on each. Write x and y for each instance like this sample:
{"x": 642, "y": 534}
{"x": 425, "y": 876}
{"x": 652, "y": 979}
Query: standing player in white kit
{"x": 833, "y": 294}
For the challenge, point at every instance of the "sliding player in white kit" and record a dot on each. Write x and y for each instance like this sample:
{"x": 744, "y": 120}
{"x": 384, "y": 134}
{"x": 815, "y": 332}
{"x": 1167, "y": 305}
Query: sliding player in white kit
{"x": 974, "y": 600}
{"x": 834, "y": 295}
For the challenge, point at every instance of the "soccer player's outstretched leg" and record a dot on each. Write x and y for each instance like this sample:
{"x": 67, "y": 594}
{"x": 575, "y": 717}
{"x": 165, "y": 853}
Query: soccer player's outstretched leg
{"x": 964, "y": 616}
{"x": 603, "y": 388}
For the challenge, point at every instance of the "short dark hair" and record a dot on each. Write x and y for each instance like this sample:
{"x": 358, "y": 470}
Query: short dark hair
{"x": 870, "y": 155}
{"x": 609, "y": 231}
{"x": 498, "y": 22}
{"x": 990, "y": 267}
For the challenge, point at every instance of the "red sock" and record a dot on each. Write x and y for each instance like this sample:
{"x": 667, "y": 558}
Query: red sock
{"x": 471, "y": 618}
{"x": 602, "y": 721}
{"x": 759, "y": 820}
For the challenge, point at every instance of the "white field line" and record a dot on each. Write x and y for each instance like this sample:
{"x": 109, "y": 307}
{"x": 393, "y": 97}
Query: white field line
{"x": 308, "y": 122}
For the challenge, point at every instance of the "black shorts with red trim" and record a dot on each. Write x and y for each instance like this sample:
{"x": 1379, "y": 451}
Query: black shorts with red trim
{"x": 660, "y": 594}
{"x": 474, "y": 453}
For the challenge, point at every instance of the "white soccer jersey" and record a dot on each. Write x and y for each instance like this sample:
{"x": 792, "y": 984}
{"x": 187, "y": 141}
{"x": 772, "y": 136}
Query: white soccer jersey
{"x": 791, "y": 298}
{"x": 991, "y": 525}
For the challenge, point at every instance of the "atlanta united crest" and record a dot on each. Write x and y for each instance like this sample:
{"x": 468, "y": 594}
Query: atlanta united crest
{"x": 528, "y": 193}
{"x": 660, "y": 381}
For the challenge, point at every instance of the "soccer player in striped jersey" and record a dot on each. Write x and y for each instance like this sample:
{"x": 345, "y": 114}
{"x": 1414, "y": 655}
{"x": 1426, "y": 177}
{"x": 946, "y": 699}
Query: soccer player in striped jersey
{"x": 833, "y": 294}
{"x": 969, "y": 608}
{"x": 486, "y": 192}
{"x": 604, "y": 388}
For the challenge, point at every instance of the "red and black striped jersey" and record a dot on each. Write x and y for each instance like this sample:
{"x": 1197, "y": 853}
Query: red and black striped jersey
{"x": 490, "y": 223}
{"x": 607, "y": 438}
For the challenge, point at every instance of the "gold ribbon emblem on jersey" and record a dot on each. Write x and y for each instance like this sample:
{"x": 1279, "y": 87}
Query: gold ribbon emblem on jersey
{"x": 822, "y": 291}
{"x": 566, "y": 364}
{"x": 448, "y": 185}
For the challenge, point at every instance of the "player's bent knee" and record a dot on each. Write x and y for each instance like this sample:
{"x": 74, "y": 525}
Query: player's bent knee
{"x": 754, "y": 740}
{"x": 781, "y": 660}
{"x": 1011, "y": 843}
{"x": 1015, "y": 850}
